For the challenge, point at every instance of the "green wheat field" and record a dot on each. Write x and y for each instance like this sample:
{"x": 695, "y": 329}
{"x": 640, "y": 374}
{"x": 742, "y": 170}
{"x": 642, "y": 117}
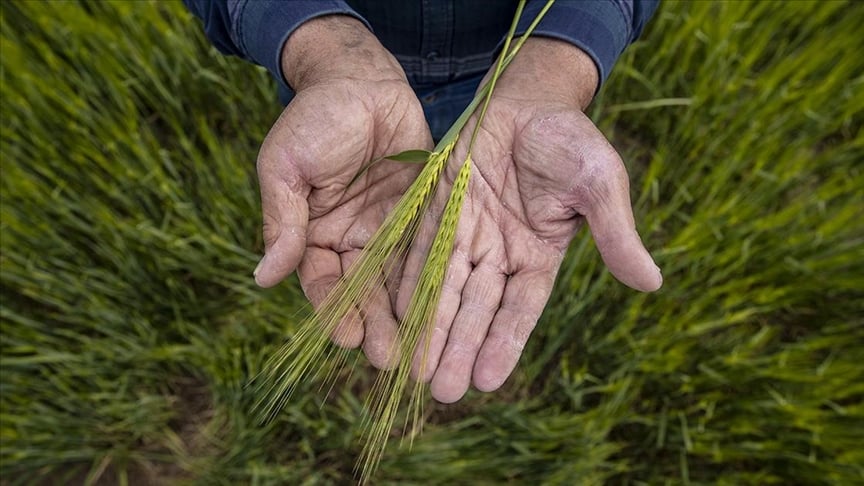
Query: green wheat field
{"x": 130, "y": 223}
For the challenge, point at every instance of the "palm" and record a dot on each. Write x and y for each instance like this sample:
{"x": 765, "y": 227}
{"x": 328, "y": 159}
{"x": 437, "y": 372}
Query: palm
{"x": 317, "y": 217}
{"x": 537, "y": 169}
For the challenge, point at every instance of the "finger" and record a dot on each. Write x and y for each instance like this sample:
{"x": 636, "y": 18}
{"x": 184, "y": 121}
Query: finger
{"x": 318, "y": 272}
{"x": 606, "y": 206}
{"x": 414, "y": 262}
{"x": 431, "y": 345}
{"x": 524, "y": 298}
{"x": 286, "y": 216}
{"x": 480, "y": 300}
{"x": 392, "y": 279}
{"x": 381, "y": 344}
{"x": 377, "y": 323}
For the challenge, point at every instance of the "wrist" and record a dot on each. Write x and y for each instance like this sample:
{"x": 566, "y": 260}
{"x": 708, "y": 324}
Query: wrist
{"x": 333, "y": 47}
{"x": 553, "y": 70}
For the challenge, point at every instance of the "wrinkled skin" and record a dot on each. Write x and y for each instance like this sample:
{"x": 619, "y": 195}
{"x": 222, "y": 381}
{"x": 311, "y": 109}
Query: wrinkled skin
{"x": 315, "y": 219}
{"x": 541, "y": 168}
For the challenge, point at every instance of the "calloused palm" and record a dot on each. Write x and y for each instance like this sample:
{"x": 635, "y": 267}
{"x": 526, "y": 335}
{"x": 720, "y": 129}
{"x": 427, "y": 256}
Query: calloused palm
{"x": 541, "y": 169}
{"x": 317, "y": 217}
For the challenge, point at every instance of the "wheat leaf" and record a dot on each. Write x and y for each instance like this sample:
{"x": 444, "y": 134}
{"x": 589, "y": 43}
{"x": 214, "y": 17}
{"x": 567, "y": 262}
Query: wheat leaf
{"x": 412, "y": 156}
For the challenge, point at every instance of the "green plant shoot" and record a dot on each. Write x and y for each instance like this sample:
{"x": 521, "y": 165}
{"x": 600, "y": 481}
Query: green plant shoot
{"x": 310, "y": 355}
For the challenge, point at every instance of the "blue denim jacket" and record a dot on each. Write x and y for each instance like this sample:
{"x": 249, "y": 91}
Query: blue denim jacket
{"x": 445, "y": 46}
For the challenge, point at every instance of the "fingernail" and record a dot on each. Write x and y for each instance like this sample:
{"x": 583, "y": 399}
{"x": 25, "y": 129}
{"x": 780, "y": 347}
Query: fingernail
{"x": 659, "y": 276}
{"x": 258, "y": 267}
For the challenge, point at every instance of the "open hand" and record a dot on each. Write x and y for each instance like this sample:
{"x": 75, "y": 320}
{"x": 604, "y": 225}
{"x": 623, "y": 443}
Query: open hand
{"x": 541, "y": 168}
{"x": 352, "y": 105}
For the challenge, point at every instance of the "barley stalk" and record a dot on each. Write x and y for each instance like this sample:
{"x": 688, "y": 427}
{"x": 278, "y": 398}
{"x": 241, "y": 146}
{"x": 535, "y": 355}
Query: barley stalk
{"x": 309, "y": 354}
{"x": 389, "y": 387}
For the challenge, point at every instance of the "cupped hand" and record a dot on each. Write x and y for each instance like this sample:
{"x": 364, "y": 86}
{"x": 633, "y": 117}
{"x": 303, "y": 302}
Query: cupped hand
{"x": 541, "y": 168}
{"x": 352, "y": 105}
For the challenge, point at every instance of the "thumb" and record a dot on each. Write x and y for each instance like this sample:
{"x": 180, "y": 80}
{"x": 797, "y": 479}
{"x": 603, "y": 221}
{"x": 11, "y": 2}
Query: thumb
{"x": 610, "y": 219}
{"x": 286, "y": 217}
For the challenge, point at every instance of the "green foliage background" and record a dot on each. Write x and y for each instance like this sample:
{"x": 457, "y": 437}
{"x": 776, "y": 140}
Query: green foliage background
{"x": 130, "y": 227}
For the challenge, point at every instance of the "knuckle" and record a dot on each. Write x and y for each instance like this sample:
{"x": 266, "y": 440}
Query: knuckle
{"x": 602, "y": 176}
{"x": 594, "y": 168}
{"x": 271, "y": 230}
{"x": 462, "y": 348}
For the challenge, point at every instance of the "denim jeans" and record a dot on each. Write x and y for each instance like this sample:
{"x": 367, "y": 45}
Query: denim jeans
{"x": 442, "y": 103}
